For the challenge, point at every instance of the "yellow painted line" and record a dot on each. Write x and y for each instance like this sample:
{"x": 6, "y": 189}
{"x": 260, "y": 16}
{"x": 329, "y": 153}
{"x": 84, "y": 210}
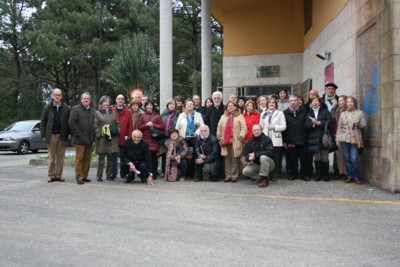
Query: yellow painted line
{"x": 154, "y": 188}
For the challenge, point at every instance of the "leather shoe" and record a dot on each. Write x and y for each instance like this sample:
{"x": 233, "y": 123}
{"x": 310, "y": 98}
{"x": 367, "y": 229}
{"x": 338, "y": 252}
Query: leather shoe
{"x": 263, "y": 183}
{"x": 292, "y": 178}
{"x": 227, "y": 180}
{"x": 51, "y": 180}
{"x": 80, "y": 181}
{"x": 274, "y": 178}
{"x": 198, "y": 179}
{"x": 357, "y": 181}
{"x": 100, "y": 179}
{"x": 234, "y": 180}
{"x": 348, "y": 180}
{"x": 60, "y": 179}
{"x": 306, "y": 178}
{"x": 86, "y": 180}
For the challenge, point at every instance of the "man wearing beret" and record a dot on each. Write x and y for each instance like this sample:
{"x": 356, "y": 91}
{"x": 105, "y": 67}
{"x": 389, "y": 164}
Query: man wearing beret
{"x": 330, "y": 98}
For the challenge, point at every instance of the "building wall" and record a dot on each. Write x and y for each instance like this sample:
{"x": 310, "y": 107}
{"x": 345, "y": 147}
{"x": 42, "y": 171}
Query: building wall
{"x": 380, "y": 164}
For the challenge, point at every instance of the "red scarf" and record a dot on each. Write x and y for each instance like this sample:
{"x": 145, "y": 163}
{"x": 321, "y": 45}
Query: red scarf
{"x": 228, "y": 128}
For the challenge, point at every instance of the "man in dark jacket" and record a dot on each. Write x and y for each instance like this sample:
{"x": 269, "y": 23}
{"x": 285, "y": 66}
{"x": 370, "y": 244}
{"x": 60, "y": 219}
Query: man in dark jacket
{"x": 294, "y": 140}
{"x": 135, "y": 153}
{"x": 259, "y": 152}
{"x": 207, "y": 153}
{"x": 81, "y": 123}
{"x": 330, "y": 99}
{"x": 214, "y": 112}
{"x": 55, "y": 131}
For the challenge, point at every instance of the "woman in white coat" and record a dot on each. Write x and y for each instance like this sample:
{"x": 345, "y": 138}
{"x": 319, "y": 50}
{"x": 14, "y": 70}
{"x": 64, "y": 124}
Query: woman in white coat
{"x": 274, "y": 123}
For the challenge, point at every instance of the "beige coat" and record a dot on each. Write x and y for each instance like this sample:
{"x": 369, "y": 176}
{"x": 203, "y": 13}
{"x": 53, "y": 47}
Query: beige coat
{"x": 239, "y": 132}
{"x": 345, "y": 126}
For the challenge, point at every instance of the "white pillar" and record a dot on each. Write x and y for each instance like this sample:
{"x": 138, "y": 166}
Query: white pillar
{"x": 206, "y": 76}
{"x": 166, "y": 86}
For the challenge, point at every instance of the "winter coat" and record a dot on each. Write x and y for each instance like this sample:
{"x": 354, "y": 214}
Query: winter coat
{"x": 260, "y": 146}
{"x": 103, "y": 144}
{"x": 326, "y": 102}
{"x": 154, "y": 144}
{"x": 164, "y": 117}
{"x": 296, "y": 132}
{"x": 212, "y": 116}
{"x": 135, "y": 119}
{"x": 315, "y": 133}
{"x": 251, "y": 119}
{"x": 181, "y": 123}
{"x": 81, "y": 123}
{"x": 181, "y": 146}
{"x": 239, "y": 132}
{"x": 335, "y": 113}
{"x": 350, "y": 124}
{"x": 46, "y": 122}
{"x": 125, "y": 122}
{"x": 209, "y": 147}
{"x": 136, "y": 153}
{"x": 278, "y": 119}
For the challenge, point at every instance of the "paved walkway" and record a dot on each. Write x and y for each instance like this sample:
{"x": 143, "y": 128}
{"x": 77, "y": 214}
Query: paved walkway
{"x": 290, "y": 223}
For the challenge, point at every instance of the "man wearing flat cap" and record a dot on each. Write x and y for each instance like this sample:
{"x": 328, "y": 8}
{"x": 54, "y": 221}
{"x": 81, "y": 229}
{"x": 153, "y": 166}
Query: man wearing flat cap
{"x": 330, "y": 98}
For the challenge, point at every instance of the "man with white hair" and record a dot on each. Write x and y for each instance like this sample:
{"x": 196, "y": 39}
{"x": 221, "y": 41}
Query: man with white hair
{"x": 207, "y": 153}
{"x": 214, "y": 112}
{"x": 135, "y": 154}
{"x": 330, "y": 99}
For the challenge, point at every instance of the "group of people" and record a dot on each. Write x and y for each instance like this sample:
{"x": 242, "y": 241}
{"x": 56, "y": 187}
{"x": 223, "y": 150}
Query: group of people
{"x": 244, "y": 136}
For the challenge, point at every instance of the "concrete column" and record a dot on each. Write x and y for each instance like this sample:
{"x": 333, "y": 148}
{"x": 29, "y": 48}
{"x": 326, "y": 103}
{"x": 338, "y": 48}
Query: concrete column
{"x": 206, "y": 76}
{"x": 166, "y": 86}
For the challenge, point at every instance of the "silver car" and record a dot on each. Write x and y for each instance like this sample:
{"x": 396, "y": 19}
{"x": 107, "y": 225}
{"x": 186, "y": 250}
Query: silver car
{"x": 21, "y": 137}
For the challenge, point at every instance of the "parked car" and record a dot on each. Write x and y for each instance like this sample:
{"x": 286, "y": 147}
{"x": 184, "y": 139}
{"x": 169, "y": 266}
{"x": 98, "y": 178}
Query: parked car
{"x": 21, "y": 137}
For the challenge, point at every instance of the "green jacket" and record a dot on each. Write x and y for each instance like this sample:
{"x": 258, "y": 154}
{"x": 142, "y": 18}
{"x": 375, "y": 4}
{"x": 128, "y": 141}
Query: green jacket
{"x": 46, "y": 122}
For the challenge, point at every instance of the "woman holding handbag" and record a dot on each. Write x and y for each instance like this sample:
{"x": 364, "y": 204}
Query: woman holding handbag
{"x": 147, "y": 120}
{"x": 349, "y": 138}
{"x": 318, "y": 117}
{"x": 231, "y": 132}
{"x": 336, "y": 111}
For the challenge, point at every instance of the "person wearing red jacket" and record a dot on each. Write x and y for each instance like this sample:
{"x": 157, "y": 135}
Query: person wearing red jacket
{"x": 251, "y": 116}
{"x": 126, "y": 128}
{"x": 151, "y": 119}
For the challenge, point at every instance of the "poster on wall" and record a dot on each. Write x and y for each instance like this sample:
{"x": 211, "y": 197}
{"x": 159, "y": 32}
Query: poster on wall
{"x": 368, "y": 91}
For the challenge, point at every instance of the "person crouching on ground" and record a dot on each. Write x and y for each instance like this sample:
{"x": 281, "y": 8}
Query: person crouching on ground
{"x": 207, "y": 151}
{"x": 177, "y": 149}
{"x": 259, "y": 152}
{"x": 136, "y": 154}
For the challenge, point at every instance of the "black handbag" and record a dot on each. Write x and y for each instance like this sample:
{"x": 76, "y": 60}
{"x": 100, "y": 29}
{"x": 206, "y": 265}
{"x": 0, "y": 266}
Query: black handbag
{"x": 157, "y": 133}
{"x": 327, "y": 139}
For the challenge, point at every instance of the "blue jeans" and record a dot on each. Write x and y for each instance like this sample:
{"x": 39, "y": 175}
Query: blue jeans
{"x": 350, "y": 153}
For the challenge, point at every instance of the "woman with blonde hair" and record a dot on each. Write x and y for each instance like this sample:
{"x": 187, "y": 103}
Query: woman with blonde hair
{"x": 231, "y": 132}
{"x": 273, "y": 123}
{"x": 349, "y": 138}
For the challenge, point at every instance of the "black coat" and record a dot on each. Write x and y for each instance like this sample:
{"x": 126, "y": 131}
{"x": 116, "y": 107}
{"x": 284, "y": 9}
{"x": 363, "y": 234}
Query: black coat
{"x": 260, "y": 145}
{"x": 209, "y": 146}
{"x": 136, "y": 153}
{"x": 46, "y": 122}
{"x": 296, "y": 132}
{"x": 212, "y": 116}
{"x": 316, "y": 133}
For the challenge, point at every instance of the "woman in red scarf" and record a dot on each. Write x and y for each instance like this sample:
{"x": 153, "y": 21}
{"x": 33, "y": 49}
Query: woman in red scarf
{"x": 232, "y": 129}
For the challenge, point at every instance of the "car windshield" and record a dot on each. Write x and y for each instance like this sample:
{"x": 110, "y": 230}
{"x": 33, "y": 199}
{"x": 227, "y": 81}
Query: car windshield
{"x": 21, "y": 126}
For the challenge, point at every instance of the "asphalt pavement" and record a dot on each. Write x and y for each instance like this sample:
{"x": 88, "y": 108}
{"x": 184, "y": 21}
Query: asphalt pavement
{"x": 289, "y": 223}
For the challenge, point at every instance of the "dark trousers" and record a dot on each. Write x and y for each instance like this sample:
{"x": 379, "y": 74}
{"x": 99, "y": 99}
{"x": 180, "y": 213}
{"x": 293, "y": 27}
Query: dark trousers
{"x": 124, "y": 169}
{"x": 215, "y": 170}
{"x": 154, "y": 163}
{"x": 293, "y": 156}
{"x": 308, "y": 161}
{"x": 140, "y": 166}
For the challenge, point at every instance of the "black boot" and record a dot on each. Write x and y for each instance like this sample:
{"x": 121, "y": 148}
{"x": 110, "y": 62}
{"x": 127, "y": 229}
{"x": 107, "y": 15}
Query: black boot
{"x": 325, "y": 171}
{"x": 317, "y": 170}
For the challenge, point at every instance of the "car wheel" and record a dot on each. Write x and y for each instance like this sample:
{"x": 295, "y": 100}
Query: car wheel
{"x": 35, "y": 150}
{"x": 23, "y": 147}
